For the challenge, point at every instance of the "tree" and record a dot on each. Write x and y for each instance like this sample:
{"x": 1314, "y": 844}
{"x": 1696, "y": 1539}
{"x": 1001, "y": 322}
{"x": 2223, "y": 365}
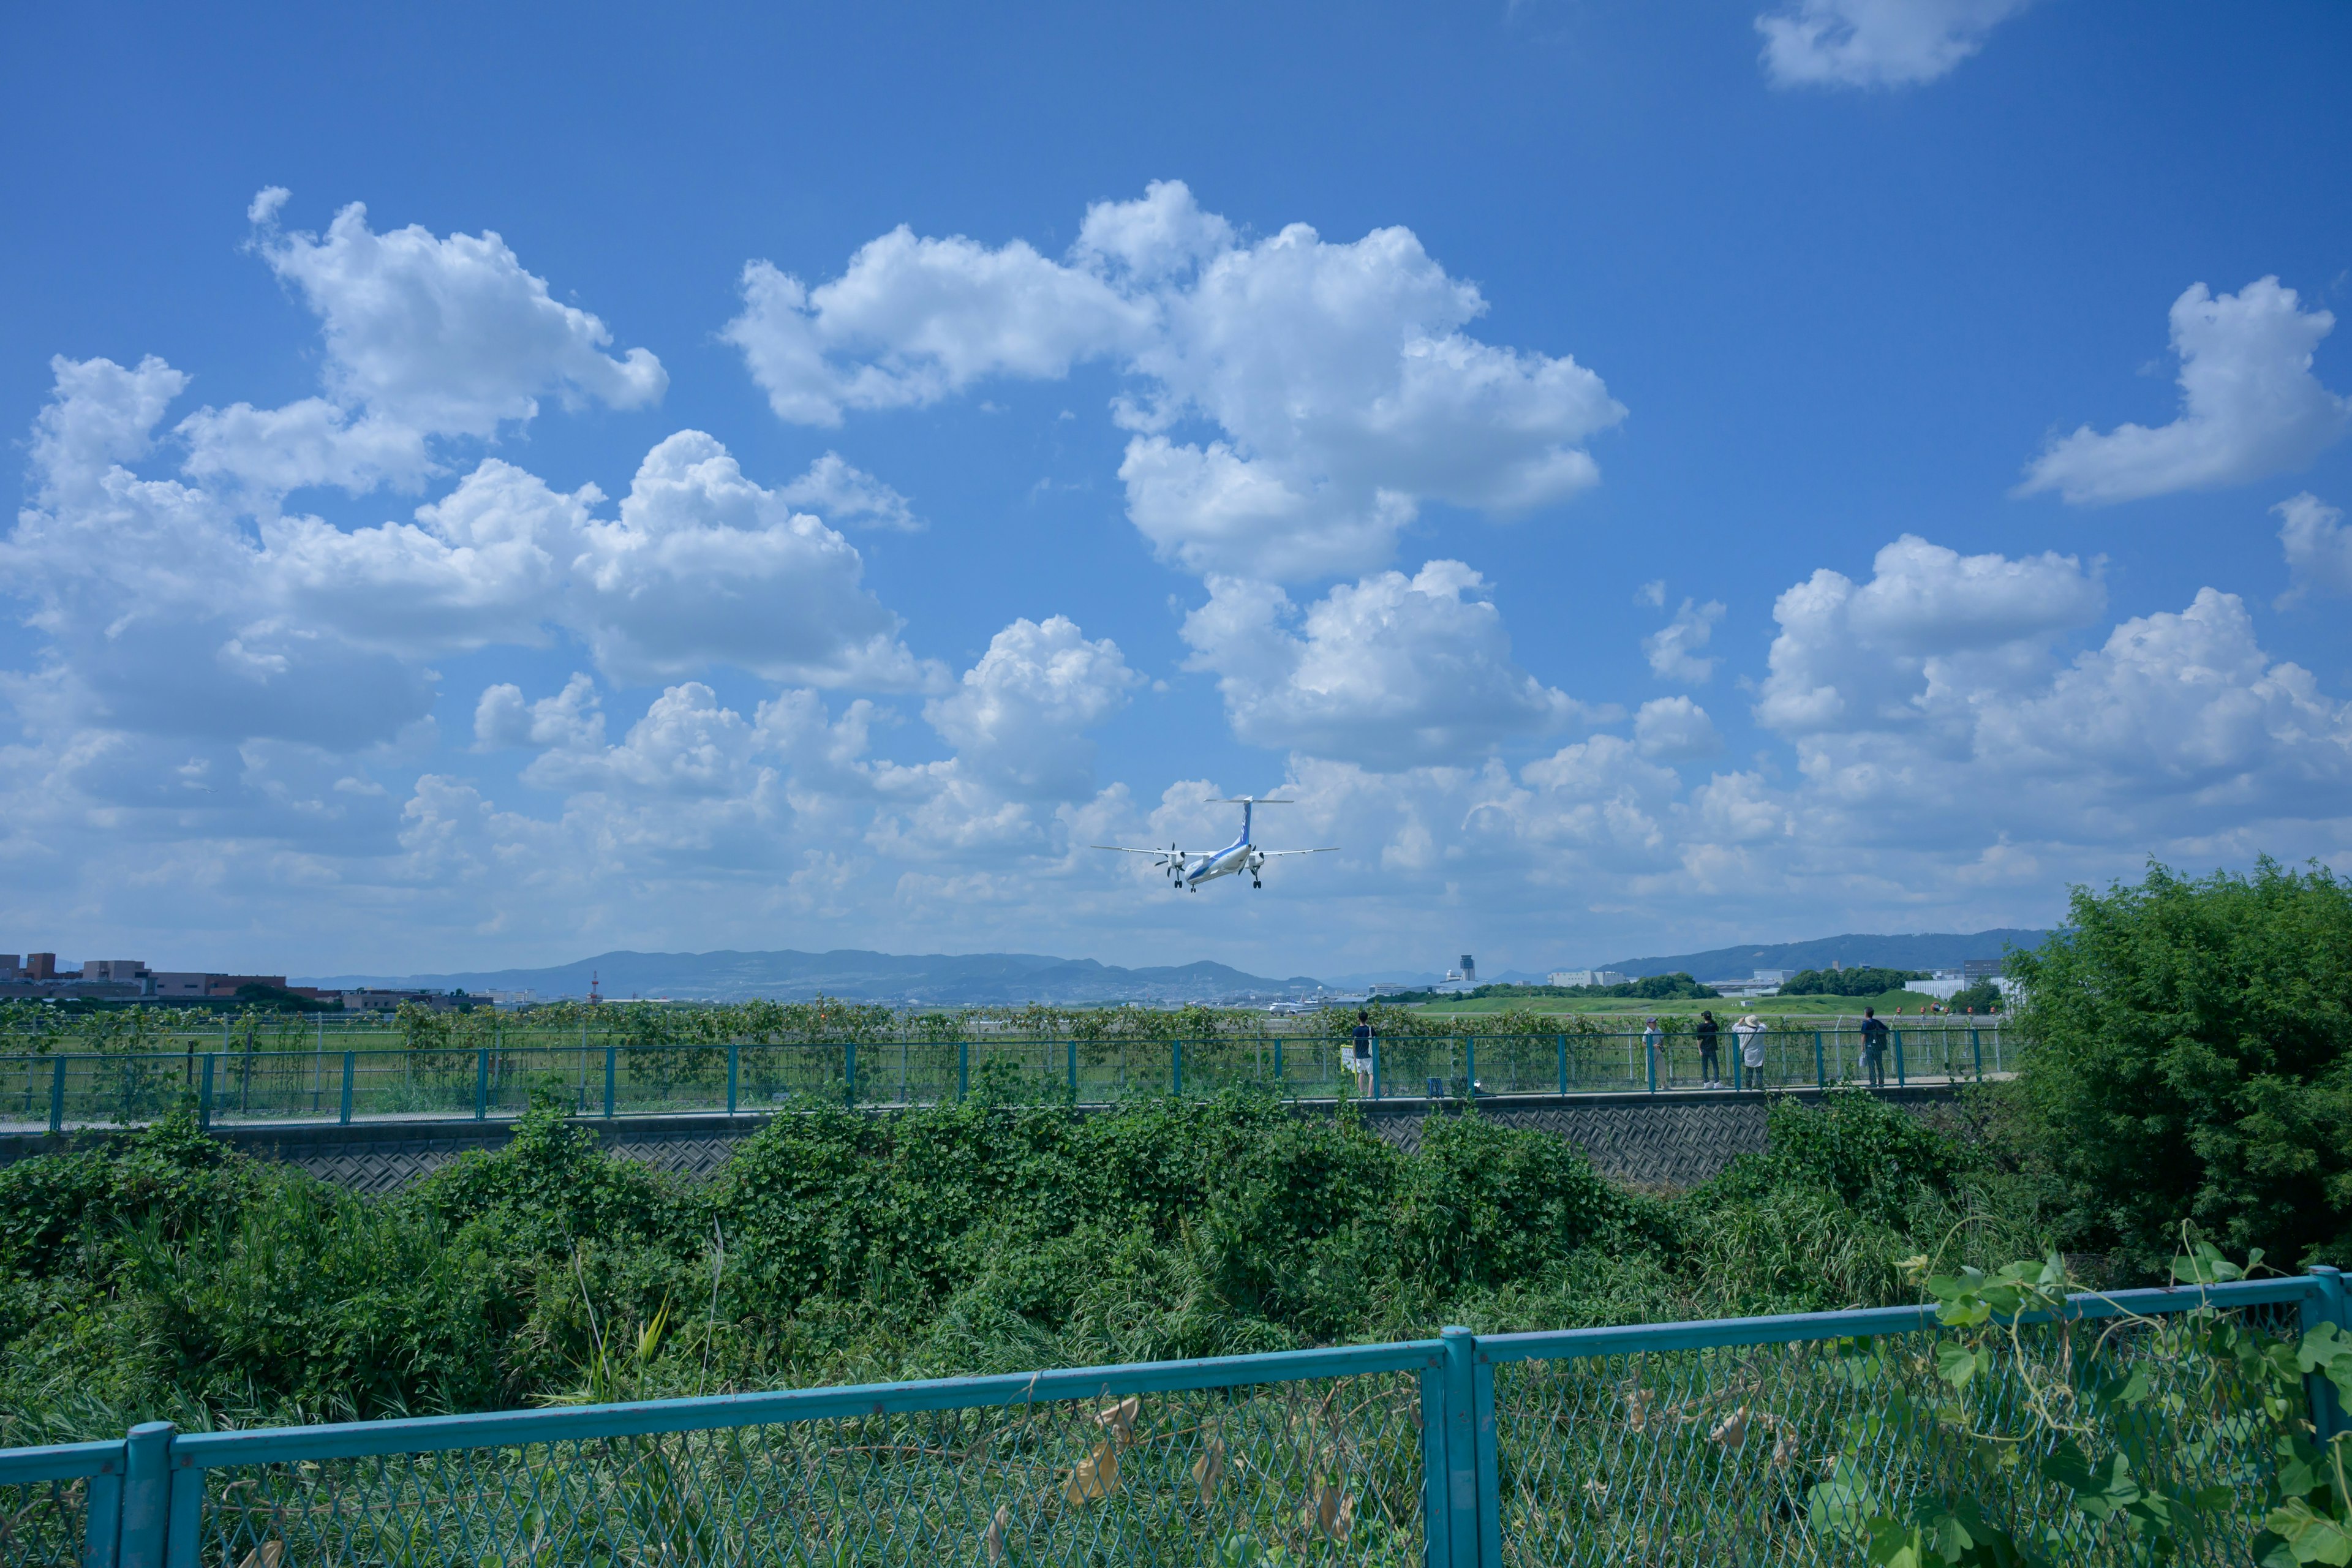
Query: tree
{"x": 2188, "y": 1053}
{"x": 1862, "y": 980}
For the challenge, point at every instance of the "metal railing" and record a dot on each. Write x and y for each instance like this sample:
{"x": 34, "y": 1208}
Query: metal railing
{"x": 606, "y": 1077}
{"x": 1699, "y": 1443}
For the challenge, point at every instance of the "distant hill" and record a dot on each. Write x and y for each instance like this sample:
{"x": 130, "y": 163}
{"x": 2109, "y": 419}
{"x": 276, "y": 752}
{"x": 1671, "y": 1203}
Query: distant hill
{"x": 855, "y": 976}
{"x": 1927, "y": 950}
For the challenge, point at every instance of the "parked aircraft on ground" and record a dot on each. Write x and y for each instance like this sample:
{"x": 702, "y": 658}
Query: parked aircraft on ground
{"x": 1187, "y": 869}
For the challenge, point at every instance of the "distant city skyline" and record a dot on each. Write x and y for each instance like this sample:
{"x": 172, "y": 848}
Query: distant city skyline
{"x": 1638, "y": 481}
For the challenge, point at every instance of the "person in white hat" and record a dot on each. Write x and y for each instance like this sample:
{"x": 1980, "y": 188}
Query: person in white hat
{"x": 1750, "y": 1032}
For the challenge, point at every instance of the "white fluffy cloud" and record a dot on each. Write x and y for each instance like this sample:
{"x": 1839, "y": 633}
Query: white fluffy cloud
{"x": 1673, "y": 648}
{"x": 1930, "y": 628}
{"x": 573, "y": 720}
{"x": 1019, "y": 716}
{"x": 2250, "y": 405}
{"x": 168, "y": 612}
{"x": 1876, "y": 43}
{"x": 1674, "y": 729}
{"x": 424, "y": 338}
{"x": 1343, "y": 389}
{"x": 449, "y": 335}
{"x": 833, "y": 490}
{"x": 1389, "y": 672}
{"x": 2318, "y": 548}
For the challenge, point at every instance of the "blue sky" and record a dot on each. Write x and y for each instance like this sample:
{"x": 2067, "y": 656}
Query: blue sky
{"x": 1640, "y": 478}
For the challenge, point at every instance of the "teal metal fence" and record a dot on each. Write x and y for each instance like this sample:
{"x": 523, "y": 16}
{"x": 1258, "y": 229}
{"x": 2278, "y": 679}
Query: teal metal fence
{"x": 609, "y": 1077}
{"x": 1703, "y": 1443}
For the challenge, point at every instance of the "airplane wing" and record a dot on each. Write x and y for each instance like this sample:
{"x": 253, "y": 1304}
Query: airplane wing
{"x": 1172, "y": 852}
{"x": 1326, "y": 849}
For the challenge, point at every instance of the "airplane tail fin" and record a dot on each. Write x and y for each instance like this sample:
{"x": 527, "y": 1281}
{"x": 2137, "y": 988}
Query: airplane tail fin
{"x": 1246, "y": 801}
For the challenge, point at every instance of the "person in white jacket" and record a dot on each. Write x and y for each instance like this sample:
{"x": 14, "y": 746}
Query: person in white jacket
{"x": 1749, "y": 1032}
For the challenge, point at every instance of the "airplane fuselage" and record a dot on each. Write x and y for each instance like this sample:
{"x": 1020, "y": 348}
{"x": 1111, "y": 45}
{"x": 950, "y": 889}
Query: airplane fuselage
{"x": 1232, "y": 860}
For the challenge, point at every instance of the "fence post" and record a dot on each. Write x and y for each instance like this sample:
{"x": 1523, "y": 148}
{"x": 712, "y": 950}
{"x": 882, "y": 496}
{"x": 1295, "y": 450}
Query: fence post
{"x": 102, "y": 1528}
{"x": 1376, "y": 1067}
{"x": 1470, "y": 1069}
{"x": 2326, "y": 1304}
{"x": 349, "y": 1061}
{"x": 1176, "y": 1067}
{"x": 1436, "y": 1536}
{"x": 1898, "y": 1058}
{"x": 1821, "y": 1070}
{"x": 1976, "y": 1044}
{"x": 849, "y": 1071}
{"x": 205, "y": 1094}
{"x": 1652, "y": 1052}
{"x": 611, "y": 1061}
{"x": 963, "y": 1069}
{"x": 1462, "y": 1478}
{"x": 58, "y": 1096}
{"x": 146, "y": 1495}
{"x": 1563, "y": 1064}
{"x": 1073, "y": 1072}
{"x": 734, "y": 1054}
{"x": 481, "y": 1083}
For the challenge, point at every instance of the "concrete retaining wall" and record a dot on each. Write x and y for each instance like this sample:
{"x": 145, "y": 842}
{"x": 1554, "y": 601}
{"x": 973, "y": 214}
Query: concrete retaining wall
{"x": 1673, "y": 1139}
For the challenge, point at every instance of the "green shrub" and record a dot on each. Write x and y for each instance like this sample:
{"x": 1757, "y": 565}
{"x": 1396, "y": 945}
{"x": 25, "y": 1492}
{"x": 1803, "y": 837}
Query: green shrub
{"x": 2188, "y": 1056}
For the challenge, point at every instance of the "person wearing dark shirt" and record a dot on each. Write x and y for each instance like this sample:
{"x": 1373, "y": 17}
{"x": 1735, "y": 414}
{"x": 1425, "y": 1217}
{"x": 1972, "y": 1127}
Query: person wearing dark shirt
{"x": 1359, "y": 1054}
{"x": 1709, "y": 1072}
{"x": 1873, "y": 1047}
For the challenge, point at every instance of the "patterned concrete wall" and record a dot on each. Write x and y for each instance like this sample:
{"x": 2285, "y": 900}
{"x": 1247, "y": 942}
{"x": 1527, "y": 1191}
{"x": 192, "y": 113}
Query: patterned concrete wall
{"x": 1664, "y": 1140}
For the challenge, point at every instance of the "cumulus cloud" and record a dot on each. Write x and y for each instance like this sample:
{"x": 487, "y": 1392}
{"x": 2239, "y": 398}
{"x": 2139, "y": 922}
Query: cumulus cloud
{"x": 1931, "y": 628}
{"x": 449, "y": 335}
{"x": 425, "y": 337}
{"x": 1019, "y": 716}
{"x": 1674, "y": 729}
{"x": 844, "y": 494}
{"x": 703, "y": 566}
{"x": 2250, "y": 405}
{"x": 1673, "y": 648}
{"x": 573, "y": 719}
{"x": 167, "y": 612}
{"x": 1343, "y": 391}
{"x": 1876, "y": 43}
{"x": 2318, "y": 549}
{"x": 1390, "y": 672}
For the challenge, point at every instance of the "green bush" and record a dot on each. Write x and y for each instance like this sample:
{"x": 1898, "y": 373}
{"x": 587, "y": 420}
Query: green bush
{"x": 165, "y": 1276}
{"x": 2188, "y": 1056}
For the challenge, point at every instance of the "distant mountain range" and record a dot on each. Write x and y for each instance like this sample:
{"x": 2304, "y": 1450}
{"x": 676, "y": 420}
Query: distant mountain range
{"x": 854, "y": 975}
{"x": 1927, "y": 950}
{"x": 947, "y": 979}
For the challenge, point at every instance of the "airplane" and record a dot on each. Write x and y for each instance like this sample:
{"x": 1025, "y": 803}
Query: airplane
{"x": 1187, "y": 869}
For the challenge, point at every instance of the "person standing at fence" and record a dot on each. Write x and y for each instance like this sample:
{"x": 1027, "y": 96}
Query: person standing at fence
{"x": 1874, "y": 1047}
{"x": 1710, "y": 1068}
{"x": 1654, "y": 1041}
{"x": 1748, "y": 1034}
{"x": 1359, "y": 1054}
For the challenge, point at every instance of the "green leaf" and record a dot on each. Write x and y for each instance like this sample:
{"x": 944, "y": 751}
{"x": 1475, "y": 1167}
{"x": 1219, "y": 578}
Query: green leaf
{"x": 1843, "y": 1503}
{"x": 2311, "y": 1536}
{"x": 1957, "y": 1363}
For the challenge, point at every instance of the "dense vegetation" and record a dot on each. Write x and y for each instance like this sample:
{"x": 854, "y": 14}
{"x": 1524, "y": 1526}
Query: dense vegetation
{"x": 1864, "y": 981}
{"x": 2191, "y": 1059}
{"x": 166, "y": 1276}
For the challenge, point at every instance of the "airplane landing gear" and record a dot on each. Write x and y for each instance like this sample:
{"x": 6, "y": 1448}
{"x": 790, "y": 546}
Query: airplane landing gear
{"x": 1255, "y": 883}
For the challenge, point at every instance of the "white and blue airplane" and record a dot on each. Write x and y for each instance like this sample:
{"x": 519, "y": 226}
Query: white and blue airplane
{"x": 1187, "y": 869}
